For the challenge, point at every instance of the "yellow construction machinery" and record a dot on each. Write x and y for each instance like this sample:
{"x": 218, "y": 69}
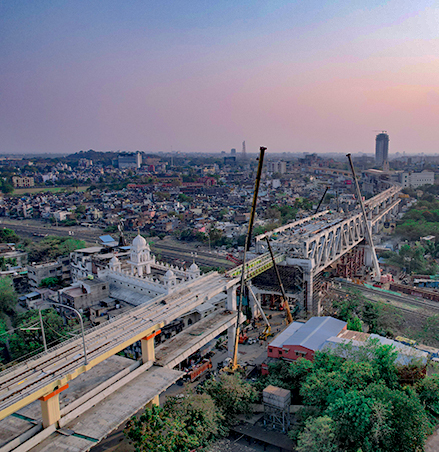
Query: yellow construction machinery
{"x": 267, "y": 330}
{"x": 233, "y": 366}
{"x": 288, "y": 317}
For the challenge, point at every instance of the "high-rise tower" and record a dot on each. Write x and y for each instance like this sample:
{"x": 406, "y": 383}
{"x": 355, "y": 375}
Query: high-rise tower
{"x": 243, "y": 153}
{"x": 382, "y": 148}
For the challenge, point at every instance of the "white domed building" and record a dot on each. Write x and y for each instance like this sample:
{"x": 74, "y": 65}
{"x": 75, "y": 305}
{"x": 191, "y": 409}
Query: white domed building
{"x": 140, "y": 257}
{"x": 141, "y": 277}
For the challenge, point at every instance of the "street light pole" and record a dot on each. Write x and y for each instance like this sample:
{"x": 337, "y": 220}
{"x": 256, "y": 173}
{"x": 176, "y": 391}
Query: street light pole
{"x": 80, "y": 319}
{"x": 42, "y": 330}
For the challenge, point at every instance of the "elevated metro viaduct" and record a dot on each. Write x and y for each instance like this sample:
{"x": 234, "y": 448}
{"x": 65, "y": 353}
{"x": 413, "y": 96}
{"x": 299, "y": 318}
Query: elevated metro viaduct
{"x": 311, "y": 244}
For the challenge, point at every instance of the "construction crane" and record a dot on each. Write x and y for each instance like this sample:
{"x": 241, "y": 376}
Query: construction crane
{"x": 288, "y": 317}
{"x": 267, "y": 330}
{"x": 366, "y": 222}
{"x": 233, "y": 365}
{"x": 321, "y": 200}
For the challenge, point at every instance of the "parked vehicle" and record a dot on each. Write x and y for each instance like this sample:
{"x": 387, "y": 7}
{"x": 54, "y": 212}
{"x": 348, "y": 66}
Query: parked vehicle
{"x": 199, "y": 370}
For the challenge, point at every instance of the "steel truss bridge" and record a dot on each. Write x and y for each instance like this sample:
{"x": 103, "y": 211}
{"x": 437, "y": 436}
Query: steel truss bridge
{"x": 312, "y": 243}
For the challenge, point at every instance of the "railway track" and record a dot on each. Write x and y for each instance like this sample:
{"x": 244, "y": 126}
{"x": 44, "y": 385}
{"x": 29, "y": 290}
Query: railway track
{"x": 425, "y": 304}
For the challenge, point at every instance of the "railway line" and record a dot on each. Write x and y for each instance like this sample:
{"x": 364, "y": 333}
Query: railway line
{"x": 168, "y": 251}
{"x": 202, "y": 257}
{"x": 401, "y": 308}
{"x": 41, "y": 375}
{"x": 425, "y": 304}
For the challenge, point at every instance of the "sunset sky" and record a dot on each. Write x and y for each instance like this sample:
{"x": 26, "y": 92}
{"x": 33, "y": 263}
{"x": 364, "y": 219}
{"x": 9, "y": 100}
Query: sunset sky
{"x": 295, "y": 76}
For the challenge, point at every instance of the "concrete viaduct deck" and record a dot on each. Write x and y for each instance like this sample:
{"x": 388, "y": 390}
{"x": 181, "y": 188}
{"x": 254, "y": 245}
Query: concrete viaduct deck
{"x": 45, "y": 376}
{"x": 38, "y": 377}
{"x": 92, "y": 415}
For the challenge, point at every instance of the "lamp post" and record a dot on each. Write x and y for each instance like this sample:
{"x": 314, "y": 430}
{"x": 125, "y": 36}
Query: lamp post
{"x": 80, "y": 319}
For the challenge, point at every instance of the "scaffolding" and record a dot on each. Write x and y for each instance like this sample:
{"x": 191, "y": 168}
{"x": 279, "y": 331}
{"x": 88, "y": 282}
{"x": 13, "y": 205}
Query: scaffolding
{"x": 292, "y": 278}
{"x": 351, "y": 264}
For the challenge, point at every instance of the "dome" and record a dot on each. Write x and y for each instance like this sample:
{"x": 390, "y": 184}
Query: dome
{"x": 114, "y": 260}
{"x": 194, "y": 268}
{"x": 169, "y": 274}
{"x": 138, "y": 243}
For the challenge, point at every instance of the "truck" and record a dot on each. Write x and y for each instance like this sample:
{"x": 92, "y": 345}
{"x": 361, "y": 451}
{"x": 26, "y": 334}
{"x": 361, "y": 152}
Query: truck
{"x": 200, "y": 369}
{"x": 243, "y": 338}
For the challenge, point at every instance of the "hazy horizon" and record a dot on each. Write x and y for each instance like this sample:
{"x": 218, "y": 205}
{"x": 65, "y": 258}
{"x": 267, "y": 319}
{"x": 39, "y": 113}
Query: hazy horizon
{"x": 321, "y": 77}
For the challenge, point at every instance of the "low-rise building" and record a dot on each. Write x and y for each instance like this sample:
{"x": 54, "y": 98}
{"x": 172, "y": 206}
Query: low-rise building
{"x": 415, "y": 180}
{"x": 59, "y": 269}
{"x": 106, "y": 309}
{"x": 84, "y": 294}
{"x": 22, "y": 182}
{"x": 302, "y": 340}
{"x": 36, "y": 299}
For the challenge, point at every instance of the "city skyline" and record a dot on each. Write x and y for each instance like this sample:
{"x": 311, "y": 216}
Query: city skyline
{"x": 199, "y": 77}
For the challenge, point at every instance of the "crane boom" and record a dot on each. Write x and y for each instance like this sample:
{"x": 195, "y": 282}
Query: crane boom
{"x": 234, "y": 363}
{"x": 289, "y": 317}
{"x": 321, "y": 200}
{"x": 267, "y": 330}
{"x": 366, "y": 223}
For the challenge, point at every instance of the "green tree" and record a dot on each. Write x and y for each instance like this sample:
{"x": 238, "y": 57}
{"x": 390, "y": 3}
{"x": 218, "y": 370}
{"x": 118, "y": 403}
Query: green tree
{"x": 231, "y": 395}
{"x": 183, "y": 424}
{"x": 8, "y": 296}
{"x": 8, "y": 236}
{"x": 202, "y": 420}
{"x": 52, "y": 247}
{"x": 153, "y": 431}
{"x": 318, "y": 436}
{"x": 355, "y": 324}
{"x": 184, "y": 198}
{"x": 5, "y": 186}
{"x": 27, "y": 337}
{"x": 428, "y": 390}
{"x": 49, "y": 282}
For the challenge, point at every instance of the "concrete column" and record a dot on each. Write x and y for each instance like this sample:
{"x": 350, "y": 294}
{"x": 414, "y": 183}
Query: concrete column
{"x": 368, "y": 262}
{"x": 154, "y": 402}
{"x": 231, "y": 334}
{"x": 50, "y": 407}
{"x": 252, "y": 304}
{"x": 308, "y": 278}
{"x": 231, "y": 299}
{"x": 148, "y": 349}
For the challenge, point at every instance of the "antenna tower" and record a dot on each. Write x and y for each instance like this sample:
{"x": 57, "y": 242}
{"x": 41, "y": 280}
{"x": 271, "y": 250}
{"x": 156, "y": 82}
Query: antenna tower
{"x": 244, "y": 153}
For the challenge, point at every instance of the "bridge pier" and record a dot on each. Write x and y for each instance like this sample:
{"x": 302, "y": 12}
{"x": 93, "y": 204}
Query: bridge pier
{"x": 308, "y": 298}
{"x": 252, "y": 303}
{"x": 231, "y": 298}
{"x": 148, "y": 349}
{"x": 50, "y": 407}
{"x": 154, "y": 402}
